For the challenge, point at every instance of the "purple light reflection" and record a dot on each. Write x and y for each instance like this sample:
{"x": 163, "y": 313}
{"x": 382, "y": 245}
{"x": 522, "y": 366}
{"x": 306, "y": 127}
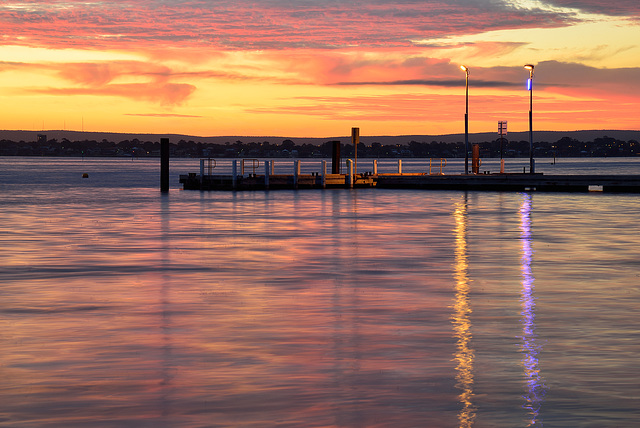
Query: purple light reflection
{"x": 535, "y": 388}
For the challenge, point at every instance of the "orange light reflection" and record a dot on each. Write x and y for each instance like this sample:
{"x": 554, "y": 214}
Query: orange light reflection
{"x": 465, "y": 355}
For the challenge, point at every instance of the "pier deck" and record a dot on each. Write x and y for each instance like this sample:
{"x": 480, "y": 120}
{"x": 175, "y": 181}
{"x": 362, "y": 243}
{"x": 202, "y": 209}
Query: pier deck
{"x": 499, "y": 182}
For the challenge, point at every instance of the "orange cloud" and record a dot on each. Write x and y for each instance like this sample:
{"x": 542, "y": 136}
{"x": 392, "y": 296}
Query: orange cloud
{"x": 168, "y": 94}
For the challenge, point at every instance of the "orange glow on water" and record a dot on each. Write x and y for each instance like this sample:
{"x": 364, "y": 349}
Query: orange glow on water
{"x": 465, "y": 354}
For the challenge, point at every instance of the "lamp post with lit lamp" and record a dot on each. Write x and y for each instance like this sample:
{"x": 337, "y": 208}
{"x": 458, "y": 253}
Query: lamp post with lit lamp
{"x": 466, "y": 120}
{"x": 532, "y": 166}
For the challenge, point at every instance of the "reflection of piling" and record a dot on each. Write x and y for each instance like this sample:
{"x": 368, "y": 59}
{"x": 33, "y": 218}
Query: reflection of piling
{"x": 164, "y": 164}
{"x": 335, "y": 158}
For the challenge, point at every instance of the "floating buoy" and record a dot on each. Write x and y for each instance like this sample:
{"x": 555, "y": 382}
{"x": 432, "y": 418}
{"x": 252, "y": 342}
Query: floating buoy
{"x": 85, "y": 175}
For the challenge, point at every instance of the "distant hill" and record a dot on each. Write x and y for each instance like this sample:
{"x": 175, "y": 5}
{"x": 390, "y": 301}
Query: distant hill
{"x": 546, "y": 136}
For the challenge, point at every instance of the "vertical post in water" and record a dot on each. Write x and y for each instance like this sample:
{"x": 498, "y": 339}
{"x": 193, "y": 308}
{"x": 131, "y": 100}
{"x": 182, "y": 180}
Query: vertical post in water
{"x": 296, "y": 173}
{"x": 323, "y": 179}
{"x": 201, "y": 170}
{"x": 234, "y": 169}
{"x": 164, "y": 164}
{"x": 335, "y": 158}
{"x": 355, "y": 140}
{"x": 375, "y": 167}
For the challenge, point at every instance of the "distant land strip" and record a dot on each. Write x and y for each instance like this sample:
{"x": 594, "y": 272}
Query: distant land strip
{"x": 539, "y": 136}
{"x": 558, "y": 144}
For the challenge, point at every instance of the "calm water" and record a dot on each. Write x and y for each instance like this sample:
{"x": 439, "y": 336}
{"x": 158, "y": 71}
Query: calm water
{"x": 122, "y": 307}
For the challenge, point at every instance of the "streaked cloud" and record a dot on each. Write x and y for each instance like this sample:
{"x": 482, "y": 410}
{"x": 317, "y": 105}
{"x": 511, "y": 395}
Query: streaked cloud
{"x": 169, "y": 115}
{"x": 168, "y": 94}
{"x": 604, "y": 7}
{"x": 266, "y": 24}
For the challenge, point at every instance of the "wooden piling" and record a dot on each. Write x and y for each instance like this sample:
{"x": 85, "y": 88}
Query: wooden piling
{"x": 234, "y": 168}
{"x": 335, "y": 158}
{"x": 323, "y": 179}
{"x": 164, "y": 164}
{"x": 355, "y": 140}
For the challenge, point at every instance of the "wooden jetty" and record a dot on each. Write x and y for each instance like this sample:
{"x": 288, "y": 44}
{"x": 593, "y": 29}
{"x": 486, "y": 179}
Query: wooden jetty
{"x": 239, "y": 180}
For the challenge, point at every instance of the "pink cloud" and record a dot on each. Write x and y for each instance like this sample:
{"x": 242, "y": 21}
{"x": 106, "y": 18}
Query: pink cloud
{"x": 167, "y": 94}
{"x": 244, "y": 24}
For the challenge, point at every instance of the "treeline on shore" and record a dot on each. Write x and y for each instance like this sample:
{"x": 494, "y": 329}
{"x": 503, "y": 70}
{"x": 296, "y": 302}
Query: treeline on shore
{"x": 564, "y": 147}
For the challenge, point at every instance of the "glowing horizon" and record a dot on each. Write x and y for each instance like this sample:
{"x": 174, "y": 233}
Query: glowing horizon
{"x": 305, "y": 68}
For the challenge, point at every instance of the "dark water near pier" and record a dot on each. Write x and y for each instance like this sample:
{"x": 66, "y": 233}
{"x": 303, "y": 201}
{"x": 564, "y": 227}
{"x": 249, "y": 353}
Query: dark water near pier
{"x": 122, "y": 307}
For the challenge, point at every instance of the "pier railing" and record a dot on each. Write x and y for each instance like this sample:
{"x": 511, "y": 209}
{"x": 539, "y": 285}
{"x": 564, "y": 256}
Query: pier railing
{"x": 250, "y": 166}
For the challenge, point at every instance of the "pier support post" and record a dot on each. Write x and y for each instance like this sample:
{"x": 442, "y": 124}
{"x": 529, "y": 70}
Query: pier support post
{"x": 296, "y": 173}
{"x": 164, "y": 164}
{"x": 323, "y": 179}
{"x": 475, "y": 161}
{"x": 201, "y": 170}
{"x": 350, "y": 173}
{"x": 399, "y": 166}
{"x": 266, "y": 174}
{"x": 375, "y": 167}
{"x": 355, "y": 140}
{"x": 335, "y": 158}
{"x": 234, "y": 172}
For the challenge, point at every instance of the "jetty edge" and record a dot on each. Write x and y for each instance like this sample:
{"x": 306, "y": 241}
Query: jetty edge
{"x": 259, "y": 176}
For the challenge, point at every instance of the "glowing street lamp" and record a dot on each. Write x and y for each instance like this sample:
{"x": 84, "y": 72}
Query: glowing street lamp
{"x": 532, "y": 166}
{"x": 466, "y": 120}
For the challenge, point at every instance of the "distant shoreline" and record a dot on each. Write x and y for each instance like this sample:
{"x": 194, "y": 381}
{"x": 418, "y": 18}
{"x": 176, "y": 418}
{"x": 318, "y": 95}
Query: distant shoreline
{"x": 539, "y": 136}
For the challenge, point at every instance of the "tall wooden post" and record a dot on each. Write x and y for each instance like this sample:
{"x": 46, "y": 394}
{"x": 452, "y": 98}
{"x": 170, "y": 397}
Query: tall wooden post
{"x": 164, "y": 164}
{"x": 335, "y": 158}
{"x": 355, "y": 140}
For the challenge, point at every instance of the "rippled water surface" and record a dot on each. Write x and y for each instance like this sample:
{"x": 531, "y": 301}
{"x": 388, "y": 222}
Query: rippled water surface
{"x": 122, "y": 307}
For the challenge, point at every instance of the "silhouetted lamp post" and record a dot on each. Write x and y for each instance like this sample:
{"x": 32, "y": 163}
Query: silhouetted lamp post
{"x": 466, "y": 120}
{"x": 532, "y": 166}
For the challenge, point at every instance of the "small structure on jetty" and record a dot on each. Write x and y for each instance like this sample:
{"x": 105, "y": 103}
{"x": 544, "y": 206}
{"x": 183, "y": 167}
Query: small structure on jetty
{"x": 250, "y": 174}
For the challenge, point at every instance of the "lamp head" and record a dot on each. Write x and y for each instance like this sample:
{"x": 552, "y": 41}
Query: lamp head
{"x": 464, "y": 68}
{"x": 530, "y": 68}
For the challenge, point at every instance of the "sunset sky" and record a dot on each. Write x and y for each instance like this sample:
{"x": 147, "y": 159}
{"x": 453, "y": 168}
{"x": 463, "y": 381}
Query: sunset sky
{"x": 316, "y": 68}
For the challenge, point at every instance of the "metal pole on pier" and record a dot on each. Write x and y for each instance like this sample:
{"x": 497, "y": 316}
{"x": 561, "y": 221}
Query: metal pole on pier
{"x": 266, "y": 174}
{"x": 532, "y": 165}
{"x": 164, "y": 165}
{"x": 466, "y": 120}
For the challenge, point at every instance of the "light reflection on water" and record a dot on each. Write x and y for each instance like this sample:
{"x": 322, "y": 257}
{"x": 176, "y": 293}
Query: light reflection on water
{"x": 367, "y": 308}
{"x": 534, "y": 393}
{"x": 464, "y": 355}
